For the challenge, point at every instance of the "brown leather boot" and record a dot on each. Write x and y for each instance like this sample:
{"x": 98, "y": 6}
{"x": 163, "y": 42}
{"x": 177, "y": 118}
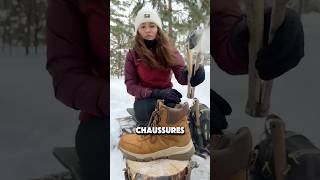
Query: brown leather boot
{"x": 231, "y": 155}
{"x": 149, "y": 147}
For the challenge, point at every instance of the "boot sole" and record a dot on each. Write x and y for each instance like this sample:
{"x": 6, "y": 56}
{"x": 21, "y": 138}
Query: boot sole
{"x": 175, "y": 153}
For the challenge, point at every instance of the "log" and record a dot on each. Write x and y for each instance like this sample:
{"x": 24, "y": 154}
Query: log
{"x": 190, "y": 93}
{"x": 161, "y": 169}
{"x": 256, "y": 105}
{"x": 277, "y": 127}
{"x": 259, "y": 94}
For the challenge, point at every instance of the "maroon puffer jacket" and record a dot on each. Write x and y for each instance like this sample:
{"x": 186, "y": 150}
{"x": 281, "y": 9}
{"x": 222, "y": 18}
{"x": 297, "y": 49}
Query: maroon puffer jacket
{"x": 140, "y": 79}
{"x": 225, "y": 15}
{"x": 78, "y": 52}
{"x": 78, "y": 55}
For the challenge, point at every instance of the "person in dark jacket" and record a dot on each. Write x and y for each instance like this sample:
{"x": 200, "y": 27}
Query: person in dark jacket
{"x": 149, "y": 66}
{"x": 78, "y": 61}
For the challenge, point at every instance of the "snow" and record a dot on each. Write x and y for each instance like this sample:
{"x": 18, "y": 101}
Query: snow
{"x": 120, "y": 100}
{"x": 33, "y": 121}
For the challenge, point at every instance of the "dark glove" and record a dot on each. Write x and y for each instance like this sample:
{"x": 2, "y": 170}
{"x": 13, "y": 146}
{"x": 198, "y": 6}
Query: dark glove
{"x": 220, "y": 108}
{"x": 196, "y": 78}
{"x": 169, "y": 95}
{"x": 283, "y": 54}
{"x": 285, "y": 51}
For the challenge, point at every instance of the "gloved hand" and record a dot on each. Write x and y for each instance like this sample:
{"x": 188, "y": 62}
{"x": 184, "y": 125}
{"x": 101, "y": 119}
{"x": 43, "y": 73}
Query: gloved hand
{"x": 283, "y": 54}
{"x": 196, "y": 78}
{"x": 169, "y": 95}
{"x": 220, "y": 108}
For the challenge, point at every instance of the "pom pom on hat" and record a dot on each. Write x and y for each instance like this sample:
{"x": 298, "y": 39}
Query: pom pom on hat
{"x": 147, "y": 15}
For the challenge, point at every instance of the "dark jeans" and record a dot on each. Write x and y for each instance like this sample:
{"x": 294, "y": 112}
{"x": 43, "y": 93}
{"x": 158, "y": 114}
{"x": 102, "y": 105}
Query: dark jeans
{"x": 143, "y": 109}
{"x": 91, "y": 146}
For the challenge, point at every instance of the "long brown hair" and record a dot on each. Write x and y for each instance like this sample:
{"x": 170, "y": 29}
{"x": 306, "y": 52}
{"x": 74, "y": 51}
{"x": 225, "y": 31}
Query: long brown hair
{"x": 163, "y": 55}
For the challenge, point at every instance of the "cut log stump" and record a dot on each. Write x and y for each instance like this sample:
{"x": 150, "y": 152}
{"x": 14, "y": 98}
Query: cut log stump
{"x": 161, "y": 169}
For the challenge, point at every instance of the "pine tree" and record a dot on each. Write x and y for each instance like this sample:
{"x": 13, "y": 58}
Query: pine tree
{"x": 23, "y": 24}
{"x": 179, "y": 18}
{"x": 121, "y": 29}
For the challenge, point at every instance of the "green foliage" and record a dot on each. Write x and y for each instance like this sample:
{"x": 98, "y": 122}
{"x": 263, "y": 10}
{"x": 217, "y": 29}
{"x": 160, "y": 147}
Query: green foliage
{"x": 23, "y": 23}
{"x": 179, "y": 18}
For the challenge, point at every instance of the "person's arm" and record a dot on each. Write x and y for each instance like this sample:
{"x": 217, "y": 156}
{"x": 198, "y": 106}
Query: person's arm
{"x": 226, "y": 14}
{"x": 132, "y": 79}
{"x": 179, "y": 68}
{"x": 98, "y": 29}
{"x": 67, "y": 61}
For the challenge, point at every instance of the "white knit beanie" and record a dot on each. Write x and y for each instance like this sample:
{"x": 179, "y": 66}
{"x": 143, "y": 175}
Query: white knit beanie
{"x": 147, "y": 15}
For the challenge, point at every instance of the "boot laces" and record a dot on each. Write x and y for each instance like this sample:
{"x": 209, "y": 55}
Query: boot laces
{"x": 153, "y": 122}
{"x": 154, "y": 119}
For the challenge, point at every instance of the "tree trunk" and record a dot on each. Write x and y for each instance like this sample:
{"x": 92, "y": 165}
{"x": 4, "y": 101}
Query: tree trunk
{"x": 161, "y": 169}
{"x": 2, "y": 43}
{"x": 36, "y": 41}
{"x": 170, "y": 20}
{"x": 10, "y": 48}
{"x": 26, "y": 50}
{"x": 28, "y": 35}
{"x": 36, "y": 49}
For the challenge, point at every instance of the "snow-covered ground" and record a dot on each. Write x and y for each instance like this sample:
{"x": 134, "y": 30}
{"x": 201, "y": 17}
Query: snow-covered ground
{"x": 120, "y": 100}
{"x": 32, "y": 122}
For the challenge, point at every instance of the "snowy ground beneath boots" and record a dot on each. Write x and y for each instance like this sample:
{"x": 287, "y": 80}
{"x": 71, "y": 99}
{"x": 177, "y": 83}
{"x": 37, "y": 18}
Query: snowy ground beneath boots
{"x": 121, "y": 100}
